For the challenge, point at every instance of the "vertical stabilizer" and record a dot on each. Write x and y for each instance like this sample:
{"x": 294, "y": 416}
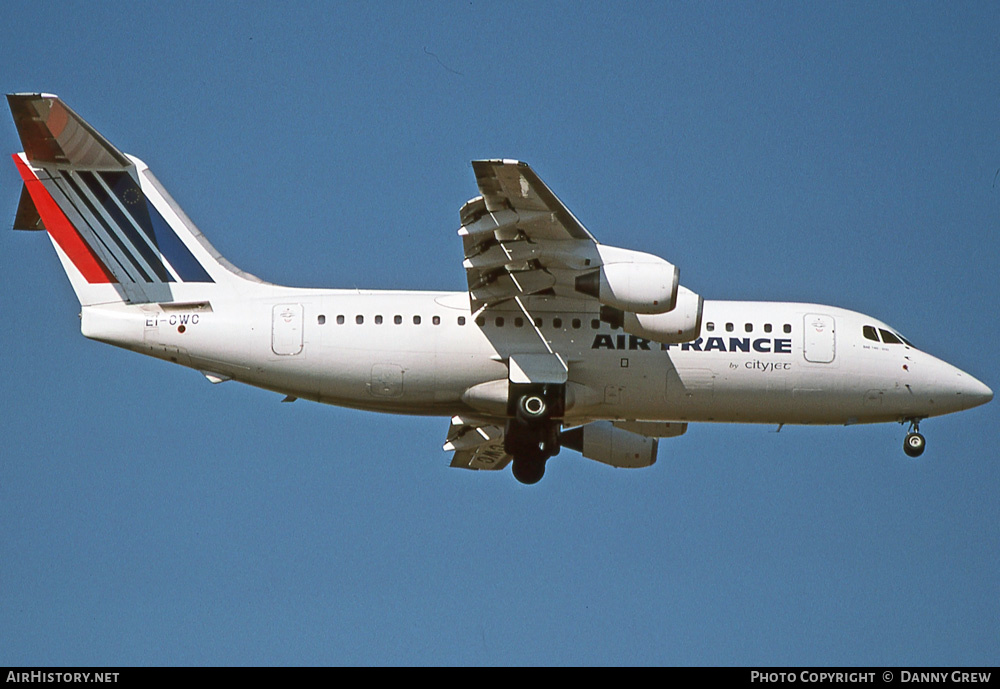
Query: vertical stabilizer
{"x": 119, "y": 234}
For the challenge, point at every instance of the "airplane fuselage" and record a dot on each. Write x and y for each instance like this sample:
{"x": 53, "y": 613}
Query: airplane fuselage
{"x": 420, "y": 352}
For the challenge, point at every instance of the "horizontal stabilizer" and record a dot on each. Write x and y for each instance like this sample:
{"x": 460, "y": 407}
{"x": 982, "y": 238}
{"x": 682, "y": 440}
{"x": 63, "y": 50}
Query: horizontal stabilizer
{"x": 51, "y": 133}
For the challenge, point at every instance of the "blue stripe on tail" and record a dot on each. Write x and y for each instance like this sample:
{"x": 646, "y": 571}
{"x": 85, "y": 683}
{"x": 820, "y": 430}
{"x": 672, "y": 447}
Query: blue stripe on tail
{"x": 155, "y": 227}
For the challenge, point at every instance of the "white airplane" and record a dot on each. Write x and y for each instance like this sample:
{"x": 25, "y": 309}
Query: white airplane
{"x": 559, "y": 341}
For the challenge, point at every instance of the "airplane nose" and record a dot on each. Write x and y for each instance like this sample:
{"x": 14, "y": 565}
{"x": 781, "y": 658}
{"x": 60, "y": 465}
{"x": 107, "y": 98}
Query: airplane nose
{"x": 981, "y": 394}
{"x": 971, "y": 392}
{"x": 950, "y": 389}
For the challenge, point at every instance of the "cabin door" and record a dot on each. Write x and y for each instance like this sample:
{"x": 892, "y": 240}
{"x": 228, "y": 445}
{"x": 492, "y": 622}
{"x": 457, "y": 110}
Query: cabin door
{"x": 819, "y": 343}
{"x": 286, "y": 329}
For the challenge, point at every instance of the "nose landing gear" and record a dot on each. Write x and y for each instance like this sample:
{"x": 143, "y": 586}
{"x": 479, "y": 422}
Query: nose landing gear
{"x": 914, "y": 444}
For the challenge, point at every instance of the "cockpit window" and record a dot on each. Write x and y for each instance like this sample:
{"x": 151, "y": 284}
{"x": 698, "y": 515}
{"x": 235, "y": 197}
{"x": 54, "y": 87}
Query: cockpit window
{"x": 888, "y": 337}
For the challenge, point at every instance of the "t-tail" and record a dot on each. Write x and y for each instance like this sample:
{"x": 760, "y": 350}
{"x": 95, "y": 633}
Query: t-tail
{"x": 120, "y": 237}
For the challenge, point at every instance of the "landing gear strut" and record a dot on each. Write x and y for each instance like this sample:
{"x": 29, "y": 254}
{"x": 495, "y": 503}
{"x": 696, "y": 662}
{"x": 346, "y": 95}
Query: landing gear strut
{"x": 914, "y": 443}
{"x": 531, "y": 435}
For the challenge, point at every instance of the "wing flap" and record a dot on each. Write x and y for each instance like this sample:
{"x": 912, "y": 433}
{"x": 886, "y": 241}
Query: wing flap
{"x": 518, "y": 236}
{"x": 477, "y": 444}
{"x": 495, "y": 286}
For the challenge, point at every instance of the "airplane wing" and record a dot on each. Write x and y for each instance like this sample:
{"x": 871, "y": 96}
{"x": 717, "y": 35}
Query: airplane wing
{"x": 513, "y": 185}
{"x": 525, "y": 250}
{"x": 519, "y": 238}
{"x": 477, "y": 444}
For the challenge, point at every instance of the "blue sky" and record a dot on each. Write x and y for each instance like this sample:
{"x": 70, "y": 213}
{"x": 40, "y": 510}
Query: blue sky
{"x": 841, "y": 154}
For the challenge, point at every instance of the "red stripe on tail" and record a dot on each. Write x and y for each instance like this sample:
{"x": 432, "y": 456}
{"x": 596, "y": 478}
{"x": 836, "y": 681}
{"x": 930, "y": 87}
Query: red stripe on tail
{"x": 61, "y": 229}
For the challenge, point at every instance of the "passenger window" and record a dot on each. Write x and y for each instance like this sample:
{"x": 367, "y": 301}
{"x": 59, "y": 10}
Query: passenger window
{"x": 499, "y": 321}
{"x": 869, "y": 333}
{"x": 748, "y": 327}
{"x": 729, "y": 327}
{"x": 416, "y": 320}
{"x": 518, "y": 322}
{"x": 481, "y": 321}
{"x": 710, "y": 327}
{"x": 340, "y": 320}
{"x": 378, "y": 320}
{"x": 556, "y": 322}
{"x": 787, "y": 328}
{"x": 576, "y": 323}
{"x": 398, "y": 320}
{"x": 888, "y": 337}
{"x": 461, "y": 320}
{"x": 595, "y": 324}
{"x": 538, "y": 322}
{"x": 767, "y": 327}
{"x": 436, "y": 320}
{"x": 359, "y": 320}
{"x": 321, "y": 319}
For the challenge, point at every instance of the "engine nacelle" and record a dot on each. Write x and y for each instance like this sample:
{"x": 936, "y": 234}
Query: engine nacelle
{"x": 683, "y": 324}
{"x": 603, "y": 442}
{"x": 631, "y": 281}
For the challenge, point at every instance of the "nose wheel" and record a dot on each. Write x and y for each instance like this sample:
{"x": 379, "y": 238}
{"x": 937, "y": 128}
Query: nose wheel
{"x": 914, "y": 443}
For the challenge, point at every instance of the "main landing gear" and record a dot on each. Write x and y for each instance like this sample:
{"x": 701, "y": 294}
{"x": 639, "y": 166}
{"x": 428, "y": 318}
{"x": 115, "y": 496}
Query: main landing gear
{"x": 914, "y": 444}
{"x": 532, "y": 433}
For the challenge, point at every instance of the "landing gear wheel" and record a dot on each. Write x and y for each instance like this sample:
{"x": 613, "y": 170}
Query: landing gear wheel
{"x": 531, "y": 407}
{"x": 530, "y": 445}
{"x": 528, "y": 471}
{"x": 914, "y": 444}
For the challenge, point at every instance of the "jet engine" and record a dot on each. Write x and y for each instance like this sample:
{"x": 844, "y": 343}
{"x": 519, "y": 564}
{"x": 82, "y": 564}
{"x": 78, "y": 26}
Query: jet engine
{"x": 682, "y": 324}
{"x": 603, "y": 442}
{"x": 631, "y": 281}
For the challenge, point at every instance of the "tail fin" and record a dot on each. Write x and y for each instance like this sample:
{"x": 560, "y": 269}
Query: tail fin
{"x": 119, "y": 234}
